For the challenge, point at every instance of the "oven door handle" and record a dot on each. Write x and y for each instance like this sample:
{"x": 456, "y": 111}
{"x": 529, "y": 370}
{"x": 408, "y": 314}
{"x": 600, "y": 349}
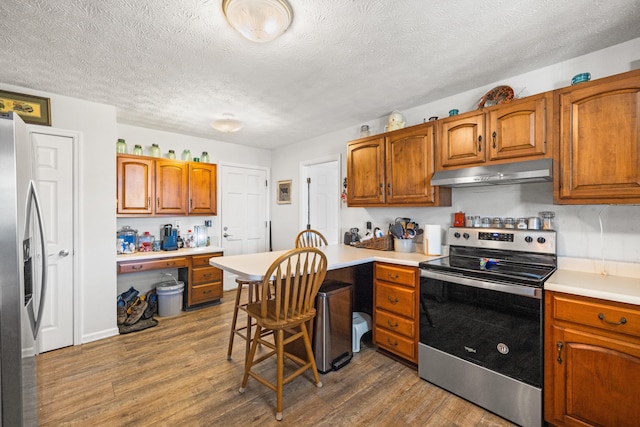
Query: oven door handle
{"x": 526, "y": 291}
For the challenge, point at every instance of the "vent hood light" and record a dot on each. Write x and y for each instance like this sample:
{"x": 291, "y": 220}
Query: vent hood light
{"x": 507, "y": 173}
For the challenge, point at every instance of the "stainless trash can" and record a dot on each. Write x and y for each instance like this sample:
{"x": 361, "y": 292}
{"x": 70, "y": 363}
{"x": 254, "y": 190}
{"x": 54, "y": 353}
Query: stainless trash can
{"x": 332, "y": 345}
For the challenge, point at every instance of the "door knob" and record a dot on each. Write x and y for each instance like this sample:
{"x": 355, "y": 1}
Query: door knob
{"x": 63, "y": 253}
{"x": 226, "y": 235}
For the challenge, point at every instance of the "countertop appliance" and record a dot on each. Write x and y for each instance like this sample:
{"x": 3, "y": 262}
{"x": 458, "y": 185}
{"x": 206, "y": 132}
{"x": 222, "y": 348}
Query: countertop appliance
{"x": 23, "y": 270}
{"x": 481, "y": 319}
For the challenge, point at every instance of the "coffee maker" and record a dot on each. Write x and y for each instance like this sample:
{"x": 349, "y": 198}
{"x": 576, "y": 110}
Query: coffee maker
{"x": 169, "y": 238}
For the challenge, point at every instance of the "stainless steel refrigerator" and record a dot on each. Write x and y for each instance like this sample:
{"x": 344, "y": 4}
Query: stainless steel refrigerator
{"x": 23, "y": 274}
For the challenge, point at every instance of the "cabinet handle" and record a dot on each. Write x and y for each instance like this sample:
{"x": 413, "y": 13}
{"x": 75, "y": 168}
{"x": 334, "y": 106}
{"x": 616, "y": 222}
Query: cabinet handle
{"x": 393, "y": 301}
{"x": 206, "y": 292}
{"x": 190, "y": 203}
{"x": 622, "y": 320}
{"x": 137, "y": 267}
{"x": 494, "y": 138}
{"x": 158, "y": 202}
{"x": 389, "y": 187}
{"x": 479, "y": 143}
{"x": 381, "y": 189}
{"x": 395, "y": 276}
{"x": 170, "y": 263}
{"x": 148, "y": 202}
{"x": 392, "y": 325}
{"x": 393, "y": 344}
{"x": 559, "y": 345}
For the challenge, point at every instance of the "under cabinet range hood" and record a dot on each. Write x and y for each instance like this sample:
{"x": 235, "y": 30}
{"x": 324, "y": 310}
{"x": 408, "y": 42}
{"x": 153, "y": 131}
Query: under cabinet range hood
{"x": 507, "y": 173}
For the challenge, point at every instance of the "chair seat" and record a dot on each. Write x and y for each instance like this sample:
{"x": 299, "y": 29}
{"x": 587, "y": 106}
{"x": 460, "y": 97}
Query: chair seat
{"x": 270, "y": 322}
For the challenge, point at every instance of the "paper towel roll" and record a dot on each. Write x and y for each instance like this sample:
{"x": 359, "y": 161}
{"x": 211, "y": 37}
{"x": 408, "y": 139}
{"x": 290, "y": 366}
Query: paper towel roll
{"x": 433, "y": 239}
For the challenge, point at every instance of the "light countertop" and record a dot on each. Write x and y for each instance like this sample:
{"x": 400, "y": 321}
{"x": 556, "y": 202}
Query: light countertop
{"x": 253, "y": 266}
{"x": 613, "y": 281}
{"x": 143, "y": 256}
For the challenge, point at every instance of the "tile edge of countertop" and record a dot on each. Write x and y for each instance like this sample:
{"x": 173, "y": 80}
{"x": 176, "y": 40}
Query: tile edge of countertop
{"x": 608, "y": 280}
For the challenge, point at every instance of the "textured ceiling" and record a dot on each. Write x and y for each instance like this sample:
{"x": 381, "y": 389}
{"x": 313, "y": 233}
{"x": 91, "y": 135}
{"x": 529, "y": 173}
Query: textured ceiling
{"x": 176, "y": 65}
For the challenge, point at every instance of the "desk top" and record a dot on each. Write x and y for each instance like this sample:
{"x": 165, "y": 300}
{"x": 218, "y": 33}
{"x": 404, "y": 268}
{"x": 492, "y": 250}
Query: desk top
{"x": 253, "y": 266}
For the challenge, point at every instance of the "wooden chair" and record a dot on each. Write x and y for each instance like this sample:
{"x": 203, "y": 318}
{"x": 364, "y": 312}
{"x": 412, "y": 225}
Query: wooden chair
{"x": 310, "y": 239}
{"x": 244, "y": 332}
{"x": 295, "y": 277}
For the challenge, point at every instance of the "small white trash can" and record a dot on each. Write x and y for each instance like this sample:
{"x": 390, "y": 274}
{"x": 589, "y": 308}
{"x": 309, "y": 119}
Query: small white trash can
{"x": 169, "y": 298}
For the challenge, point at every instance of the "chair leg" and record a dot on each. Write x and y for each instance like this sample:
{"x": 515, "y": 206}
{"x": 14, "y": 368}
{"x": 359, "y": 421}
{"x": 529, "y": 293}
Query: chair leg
{"x": 279, "y": 372}
{"x": 234, "y": 321}
{"x": 249, "y": 361}
{"x": 310, "y": 357}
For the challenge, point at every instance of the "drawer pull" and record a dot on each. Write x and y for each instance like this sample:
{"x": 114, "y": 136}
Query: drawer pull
{"x": 170, "y": 263}
{"x": 207, "y": 292}
{"x": 391, "y": 325}
{"x": 393, "y": 344}
{"x": 395, "y": 276}
{"x": 559, "y": 345}
{"x": 622, "y": 320}
{"x": 137, "y": 267}
{"x": 394, "y": 300}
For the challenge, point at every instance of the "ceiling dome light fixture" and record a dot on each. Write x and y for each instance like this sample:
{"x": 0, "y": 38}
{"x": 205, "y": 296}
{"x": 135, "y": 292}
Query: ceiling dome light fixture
{"x": 228, "y": 124}
{"x": 258, "y": 20}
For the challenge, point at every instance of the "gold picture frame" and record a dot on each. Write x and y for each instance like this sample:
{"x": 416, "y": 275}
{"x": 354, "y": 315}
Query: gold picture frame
{"x": 284, "y": 192}
{"x": 32, "y": 109}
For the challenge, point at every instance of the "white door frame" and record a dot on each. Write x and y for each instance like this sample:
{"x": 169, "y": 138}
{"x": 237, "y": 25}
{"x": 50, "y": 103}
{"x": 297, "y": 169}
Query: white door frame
{"x": 76, "y": 138}
{"x": 302, "y": 220}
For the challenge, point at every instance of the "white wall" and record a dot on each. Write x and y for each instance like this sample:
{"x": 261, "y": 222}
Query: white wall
{"x": 96, "y": 284}
{"x": 578, "y": 226}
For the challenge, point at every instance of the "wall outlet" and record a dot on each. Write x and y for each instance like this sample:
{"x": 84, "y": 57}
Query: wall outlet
{"x": 178, "y": 225}
{"x": 207, "y": 223}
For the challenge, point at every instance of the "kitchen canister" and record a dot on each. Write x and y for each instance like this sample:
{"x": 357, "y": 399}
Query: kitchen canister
{"x": 126, "y": 240}
{"x": 121, "y": 146}
{"x": 137, "y": 150}
{"x": 154, "y": 151}
{"x": 171, "y": 154}
{"x": 204, "y": 158}
{"x": 186, "y": 154}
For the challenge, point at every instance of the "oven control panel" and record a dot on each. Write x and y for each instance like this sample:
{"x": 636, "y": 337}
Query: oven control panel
{"x": 539, "y": 241}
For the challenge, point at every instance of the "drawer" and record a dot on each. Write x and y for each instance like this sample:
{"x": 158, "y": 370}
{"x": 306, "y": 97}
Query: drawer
{"x": 396, "y": 299}
{"x": 597, "y": 313}
{"x": 136, "y": 266}
{"x": 396, "y": 274}
{"x": 396, "y": 324}
{"x": 207, "y": 274}
{"x": 203, "y": 260}
{"x": 395, "y": 343}
{"x": 206, "y": 293}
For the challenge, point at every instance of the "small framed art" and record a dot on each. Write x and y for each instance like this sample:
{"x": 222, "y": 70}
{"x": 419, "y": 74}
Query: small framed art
{"x": 284, "y": 192}
{"x": 32, "y": 109}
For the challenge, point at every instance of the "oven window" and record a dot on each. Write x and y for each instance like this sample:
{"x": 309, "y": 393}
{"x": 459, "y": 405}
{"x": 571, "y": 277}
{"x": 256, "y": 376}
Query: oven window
{"x": 496, "y": 330}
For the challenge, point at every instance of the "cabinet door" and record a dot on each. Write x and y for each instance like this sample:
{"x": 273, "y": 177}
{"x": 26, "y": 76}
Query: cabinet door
{"x": 365, "y": 172}
{"x": 171, "y": 187}
{"x": 599, "y": 141}
{"x": 461, "y": 140}
{"x": 134, "y": 185}
{"x": 410, "y": 163}
{"x": 519, "y": 129}
{"x": 596, "y": 380}
{"x": 202, "y": 188}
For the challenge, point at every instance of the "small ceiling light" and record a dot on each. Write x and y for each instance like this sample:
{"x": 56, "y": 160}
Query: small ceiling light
{"x": 227, "y": 124}
{"x": 258, "y": 20}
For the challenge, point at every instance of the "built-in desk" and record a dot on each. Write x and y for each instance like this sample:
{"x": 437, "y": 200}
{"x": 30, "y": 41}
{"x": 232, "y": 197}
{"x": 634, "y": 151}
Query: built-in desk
{"x": 203, "y": 282}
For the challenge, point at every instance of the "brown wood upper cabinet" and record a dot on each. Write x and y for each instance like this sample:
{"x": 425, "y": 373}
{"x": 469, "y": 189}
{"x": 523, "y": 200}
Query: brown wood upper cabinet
{"x": 154, "y": 186}
{"x": 599, "y": 141}
{"x": 394, "y": 168}
{"x": 503, "y": 133}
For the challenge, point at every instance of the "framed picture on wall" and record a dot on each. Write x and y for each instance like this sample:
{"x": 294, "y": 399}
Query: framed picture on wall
{"x": 284, "y": 192}
{"x": 32, "y": 109}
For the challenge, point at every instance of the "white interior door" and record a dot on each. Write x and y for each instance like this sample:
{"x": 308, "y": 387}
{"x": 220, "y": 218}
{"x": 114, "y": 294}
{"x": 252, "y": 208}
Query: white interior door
{"x": 54, "y": 166}
{"x": 320, "y": 198}
{"x": 243, "y": 213}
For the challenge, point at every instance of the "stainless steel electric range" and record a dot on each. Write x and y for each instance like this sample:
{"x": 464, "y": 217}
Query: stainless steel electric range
{"x": 481, "y": 319}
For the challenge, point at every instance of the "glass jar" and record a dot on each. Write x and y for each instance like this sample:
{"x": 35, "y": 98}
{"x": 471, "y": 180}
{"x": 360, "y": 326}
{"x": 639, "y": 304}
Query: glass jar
{"x": 171, "y": 154}
{"x": 547, "y": 220}
{"x": 522, "y": 224}
{"x": 204, "y": 158}
{"x": 186, "y": 154}
{"x": 137, "y": 150}
{"x": 121, "y": 146}
{"x": 486, "y": 222}
{"x": 364, "y": 131}
{"x": 154, "y": 151}
{"x": 496, "y": 222}
{"x": 509, "y": 223}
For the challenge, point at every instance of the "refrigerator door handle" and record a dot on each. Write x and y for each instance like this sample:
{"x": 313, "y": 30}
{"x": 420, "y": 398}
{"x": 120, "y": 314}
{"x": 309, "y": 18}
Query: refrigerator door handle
{"x": 34, "y": 200}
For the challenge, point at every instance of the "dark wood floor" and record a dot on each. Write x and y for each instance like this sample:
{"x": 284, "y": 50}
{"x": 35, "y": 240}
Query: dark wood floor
{"x": 177, "y": 374}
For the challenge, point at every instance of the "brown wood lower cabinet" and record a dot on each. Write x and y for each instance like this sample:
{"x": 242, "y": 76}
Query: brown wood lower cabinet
{"x": 205, "y": 281}
{"x": 395, "y": 314}
{"x": 592, "y": 362}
